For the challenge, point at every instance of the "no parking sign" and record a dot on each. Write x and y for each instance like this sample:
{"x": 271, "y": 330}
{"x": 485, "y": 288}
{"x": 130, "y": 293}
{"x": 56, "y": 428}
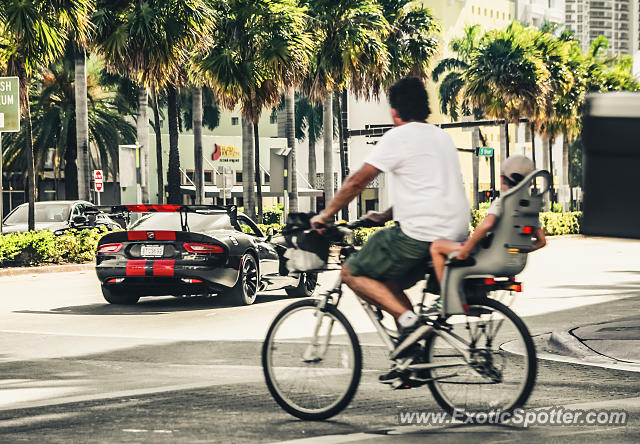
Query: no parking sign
{"x": 98, "y": 181}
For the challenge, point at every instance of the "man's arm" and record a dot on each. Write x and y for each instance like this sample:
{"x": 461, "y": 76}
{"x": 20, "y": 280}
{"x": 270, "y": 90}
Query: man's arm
{"x": 380, "y": 217}
{"x": 351, "y": 187}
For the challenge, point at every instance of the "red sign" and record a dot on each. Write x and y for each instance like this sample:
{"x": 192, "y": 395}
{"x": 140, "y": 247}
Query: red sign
{"x": 98, "y": 181}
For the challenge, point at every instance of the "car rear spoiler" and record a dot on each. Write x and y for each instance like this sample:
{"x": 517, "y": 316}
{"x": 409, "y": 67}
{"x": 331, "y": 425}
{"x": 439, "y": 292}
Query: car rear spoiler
{"x": 232, "y": 211}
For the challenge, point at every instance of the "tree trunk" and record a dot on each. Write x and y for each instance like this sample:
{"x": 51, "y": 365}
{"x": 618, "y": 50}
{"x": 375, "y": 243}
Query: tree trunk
{"x": 550, "y": 155}
{"x": 83, "y": 178}
{"x": 289, "y": 103}
{"x": 475, "y": 143}
{"x": 533, "y": 145}
{"x": 256, "y": 139}
{"x": 71, "y": 182}
{"x": 26, "y": 113}
{"x": 173, "y": 177}
{"x": 159, "y": 160}
{"x": 248, "y": 170}
{"x": 312, "y": 171}
{"x": 344, "y": 148}
{"x": 197, "y": 144}
{"x": 142, "y": 127}
{"x": 565, "y": 170}
{"x": 327, "y": 133}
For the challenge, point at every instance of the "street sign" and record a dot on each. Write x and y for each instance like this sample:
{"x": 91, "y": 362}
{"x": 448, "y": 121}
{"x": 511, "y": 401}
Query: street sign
{"x": 9, "y": 105}
{"x": 485, "y": 151}
{"x": 98, "y": 181}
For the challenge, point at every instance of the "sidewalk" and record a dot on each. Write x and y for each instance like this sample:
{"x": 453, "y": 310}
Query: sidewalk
{"x": 619, "y": 339}
{"x": 21, "y": 271}
{"x": 612, "y": 344}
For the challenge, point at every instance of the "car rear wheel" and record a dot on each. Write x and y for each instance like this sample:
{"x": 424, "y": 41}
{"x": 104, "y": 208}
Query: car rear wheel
{"x": 306, "y": 286}
{"x": 246, "y": 289}
{"x": 119, "y": 296}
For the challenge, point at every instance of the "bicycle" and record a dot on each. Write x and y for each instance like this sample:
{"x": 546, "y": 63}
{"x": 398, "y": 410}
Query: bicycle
{"x": 312, "y": 359}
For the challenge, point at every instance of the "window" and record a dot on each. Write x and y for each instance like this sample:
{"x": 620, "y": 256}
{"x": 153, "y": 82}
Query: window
{"x": 485, "y": 12}
{"x": 238, "y": 176}
{"x": 473, "y": 9}
{"x": 273, "y": 118}
{"x": 208, "y": 177}
{"x": 491, "y": 13}
{"x": 235, "y": 121}
{"x": 248, "y": 227}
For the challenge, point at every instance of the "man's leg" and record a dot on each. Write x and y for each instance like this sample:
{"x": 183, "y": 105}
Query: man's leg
{"x": 387, "y": 296}
{"x": 440, "y": 249}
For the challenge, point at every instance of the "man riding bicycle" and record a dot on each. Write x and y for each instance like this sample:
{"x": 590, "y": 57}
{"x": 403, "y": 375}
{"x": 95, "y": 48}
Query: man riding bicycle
{"x": 428, "y": 202}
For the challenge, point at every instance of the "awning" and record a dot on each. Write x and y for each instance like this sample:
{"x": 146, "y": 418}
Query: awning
{"x": 236, "y": 191}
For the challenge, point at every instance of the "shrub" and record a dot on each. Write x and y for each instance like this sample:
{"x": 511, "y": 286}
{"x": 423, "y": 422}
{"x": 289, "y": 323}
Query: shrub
{"x": 38, "y": 247}
{"x": 273, "y": 215}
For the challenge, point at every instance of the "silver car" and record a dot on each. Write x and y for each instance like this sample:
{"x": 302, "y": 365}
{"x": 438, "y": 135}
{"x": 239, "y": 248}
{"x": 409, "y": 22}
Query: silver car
{"x": 57, "y": 216}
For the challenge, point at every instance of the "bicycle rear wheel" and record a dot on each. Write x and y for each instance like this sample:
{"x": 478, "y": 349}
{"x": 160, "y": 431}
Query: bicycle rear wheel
{"x": 496, "y": 380}
{"x": 312, "y": 360}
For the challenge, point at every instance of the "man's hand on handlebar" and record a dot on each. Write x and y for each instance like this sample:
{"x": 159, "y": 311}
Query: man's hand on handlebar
{"x": 320, "y": 223}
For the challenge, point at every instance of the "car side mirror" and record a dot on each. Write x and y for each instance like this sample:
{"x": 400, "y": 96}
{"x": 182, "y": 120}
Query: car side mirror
{"x": 271, "y": 231}
{"x": 80, "y": 220}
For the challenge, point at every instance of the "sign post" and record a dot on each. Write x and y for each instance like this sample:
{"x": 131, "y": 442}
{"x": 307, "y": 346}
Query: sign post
{"x": 9, "y": 120}
{"x": 98, "y": 184}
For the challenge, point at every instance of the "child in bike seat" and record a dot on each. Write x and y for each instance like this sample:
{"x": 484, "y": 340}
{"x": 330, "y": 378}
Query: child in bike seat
{"x": 513, "y": 170}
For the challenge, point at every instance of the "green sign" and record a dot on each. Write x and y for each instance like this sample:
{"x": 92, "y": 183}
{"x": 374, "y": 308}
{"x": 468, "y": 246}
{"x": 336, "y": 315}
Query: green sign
{"x": 485, "y": 151}
{"x": 9, "y": 105}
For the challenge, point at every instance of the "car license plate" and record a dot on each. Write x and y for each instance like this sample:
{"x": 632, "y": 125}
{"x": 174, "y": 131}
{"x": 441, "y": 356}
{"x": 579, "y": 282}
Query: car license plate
{"x": 152, "y": 250}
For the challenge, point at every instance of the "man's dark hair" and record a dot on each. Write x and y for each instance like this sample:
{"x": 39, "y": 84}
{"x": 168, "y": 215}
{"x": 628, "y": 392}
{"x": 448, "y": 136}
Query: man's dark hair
{"x": 409, "y": 97}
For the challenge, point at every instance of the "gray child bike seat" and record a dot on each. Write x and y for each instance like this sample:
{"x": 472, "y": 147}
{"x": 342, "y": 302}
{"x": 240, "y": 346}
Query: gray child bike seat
{"x": 504, "y": 254}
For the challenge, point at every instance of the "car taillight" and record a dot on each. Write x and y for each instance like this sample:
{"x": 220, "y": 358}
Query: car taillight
{"x": 109, "y": 248}
{"x": 203, "y": 248}
{"x": 527, "y": 230}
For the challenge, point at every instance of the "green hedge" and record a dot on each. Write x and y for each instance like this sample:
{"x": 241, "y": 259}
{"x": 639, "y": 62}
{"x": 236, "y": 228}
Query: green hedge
{"x": 34, "y": 248}
{"x": 554, "y": 224}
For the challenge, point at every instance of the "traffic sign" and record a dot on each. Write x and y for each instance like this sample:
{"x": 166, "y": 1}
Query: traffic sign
{"x": 9, "y": 105}
{"x": 98, "y": 181}
{"x": 485, "y": 151}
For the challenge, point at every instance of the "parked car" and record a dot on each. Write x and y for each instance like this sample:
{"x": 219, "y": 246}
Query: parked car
{"x": 57, "y": 216}
{"x": 183, "y": 250}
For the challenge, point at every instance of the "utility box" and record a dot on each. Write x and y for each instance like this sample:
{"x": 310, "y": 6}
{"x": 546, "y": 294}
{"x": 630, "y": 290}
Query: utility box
{"x": 611, "y": 167}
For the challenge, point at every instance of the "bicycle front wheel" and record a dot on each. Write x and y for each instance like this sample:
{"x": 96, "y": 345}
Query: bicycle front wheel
{"x": 490, "y": 379}
{"x": 312, "y": 360}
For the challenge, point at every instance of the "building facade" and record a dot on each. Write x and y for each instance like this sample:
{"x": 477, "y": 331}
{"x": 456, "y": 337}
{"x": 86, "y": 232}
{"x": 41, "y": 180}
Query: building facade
{"x": 617, "y": 20}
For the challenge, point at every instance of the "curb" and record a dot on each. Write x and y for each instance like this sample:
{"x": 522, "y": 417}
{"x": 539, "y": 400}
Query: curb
{"x": 566, "y": 344}
{"x": 21, "y": 271}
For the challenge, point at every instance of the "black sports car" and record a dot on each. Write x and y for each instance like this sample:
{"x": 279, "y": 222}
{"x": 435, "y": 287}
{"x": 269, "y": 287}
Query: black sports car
{"x": 178, "y": 250}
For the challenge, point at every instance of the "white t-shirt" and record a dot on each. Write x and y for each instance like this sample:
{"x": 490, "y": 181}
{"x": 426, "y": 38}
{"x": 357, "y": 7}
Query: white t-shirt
{"x": 426, "y": 188}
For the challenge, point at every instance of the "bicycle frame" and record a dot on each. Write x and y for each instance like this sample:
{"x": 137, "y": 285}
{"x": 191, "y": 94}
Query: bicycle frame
{"x": 386, "y": 335}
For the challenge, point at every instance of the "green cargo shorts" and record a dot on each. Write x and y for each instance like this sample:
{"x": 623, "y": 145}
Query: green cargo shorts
{"x": 391, "y": 255}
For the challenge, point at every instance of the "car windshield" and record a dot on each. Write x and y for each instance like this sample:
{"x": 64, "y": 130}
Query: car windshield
{"x": 197, "y": 222}
{"x": 45, "y": 212}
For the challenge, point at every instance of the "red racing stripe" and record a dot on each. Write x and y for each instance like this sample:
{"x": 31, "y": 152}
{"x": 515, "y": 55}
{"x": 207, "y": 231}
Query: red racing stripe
{"x": 135, "y": 267}
{"x": 163, "y": 267}
{"x": 136, "y": 235}
{"x": 165, "y": 235}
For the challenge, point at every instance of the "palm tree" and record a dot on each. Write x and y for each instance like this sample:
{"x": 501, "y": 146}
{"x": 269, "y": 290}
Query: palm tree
{"x": 259, "y": 47}
{"x": 150, "y": 40}
{"x": 350, "y": 53}
{"x": 53, "y": 125}
{"x": 412, "y": 41}
{"x": 507, "y": 77}
{"x": 308, "y": 124}
{"x": 35, "y": 33}
{"x": 452, "y": 85}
